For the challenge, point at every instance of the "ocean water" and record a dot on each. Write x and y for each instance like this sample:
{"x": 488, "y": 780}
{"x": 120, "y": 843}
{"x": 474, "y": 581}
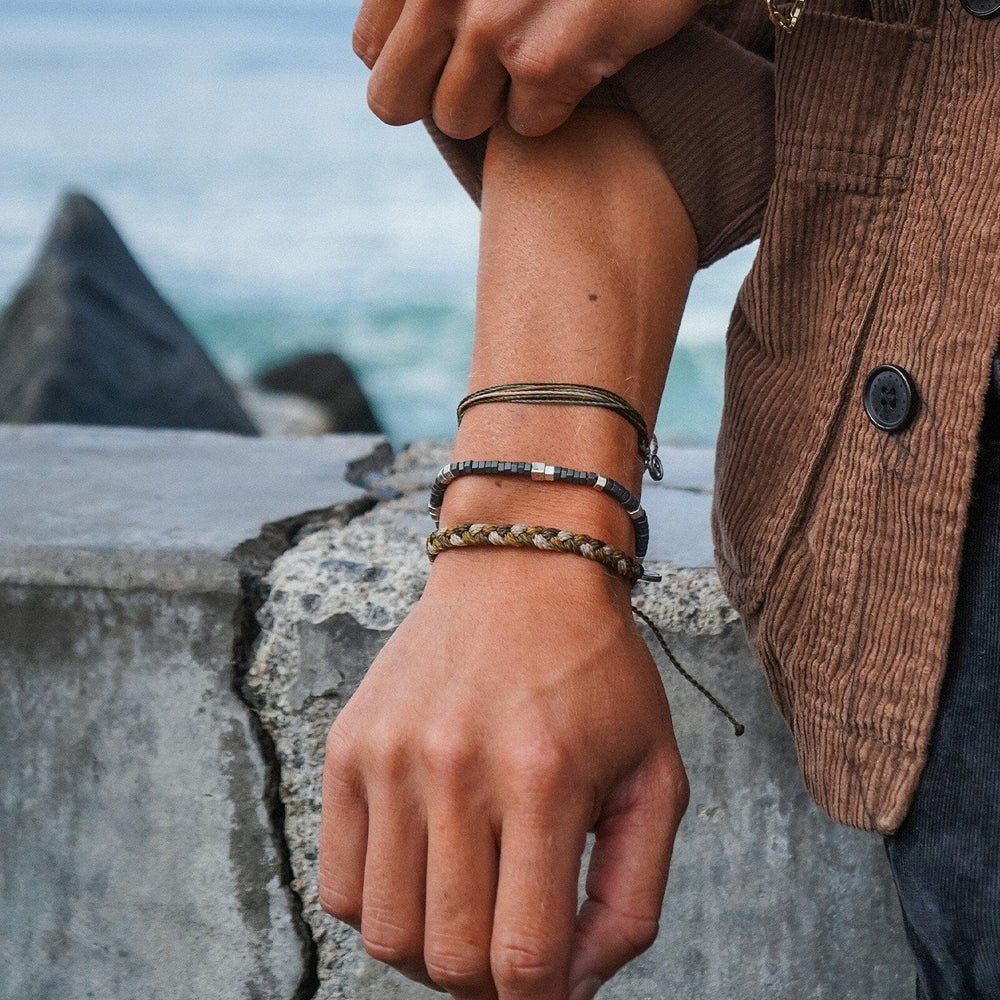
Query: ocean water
{"x": 231, "y": 144}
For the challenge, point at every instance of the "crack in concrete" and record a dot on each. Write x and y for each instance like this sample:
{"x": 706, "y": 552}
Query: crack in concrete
{"x": 254, "y": 558}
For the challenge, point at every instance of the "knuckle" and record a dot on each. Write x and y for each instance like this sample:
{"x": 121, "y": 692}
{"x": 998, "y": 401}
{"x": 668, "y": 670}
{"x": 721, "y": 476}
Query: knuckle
{"x": 529, "y": 62}
{"x": 487, "y": 21}
{"x": 390, "y": 942}
{"x": 386, "y": 754}
{"x": 364, "y": 41}
{"x": 637, "y": 934}
{"x": 675, "y": 789}
{"x": 457, "y": 126}
{"x": 340, "y": 905}
{"x": 681, "y": 792}
{"x": 339, "y": 748}
{"x": 458, "y": 117}
{"x": 521, "y": 965}
{"x": 486, "y": 28}
{"x": 447, "y": 755}
{"x": 363, "y": 49}
{"x": 538, "y": 766}
{"x": 456, "y": 966}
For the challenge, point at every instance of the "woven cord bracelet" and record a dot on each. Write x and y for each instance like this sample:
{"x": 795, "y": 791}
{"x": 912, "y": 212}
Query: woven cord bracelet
{"x": 555, "y": 540}
{"x": 526, "y": 536}
{"x": 540, "y": 472}
{"x": 572, "y": 393}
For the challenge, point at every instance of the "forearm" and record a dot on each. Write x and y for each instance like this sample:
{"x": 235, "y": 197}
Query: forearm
{"x": 586, "y": 258}
{"x": 517, "y": 707}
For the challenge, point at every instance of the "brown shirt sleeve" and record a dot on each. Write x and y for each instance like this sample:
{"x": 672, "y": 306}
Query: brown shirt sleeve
{"x": 706, "y": 99}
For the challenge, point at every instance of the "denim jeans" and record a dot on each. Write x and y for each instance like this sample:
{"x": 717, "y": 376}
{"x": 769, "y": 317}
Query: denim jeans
{"x": 945, "y": 858}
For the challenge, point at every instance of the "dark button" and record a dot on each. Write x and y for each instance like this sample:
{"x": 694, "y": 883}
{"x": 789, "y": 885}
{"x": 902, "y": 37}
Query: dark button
{"x": 982, "y": 8}
{"x": 890, "y": 398}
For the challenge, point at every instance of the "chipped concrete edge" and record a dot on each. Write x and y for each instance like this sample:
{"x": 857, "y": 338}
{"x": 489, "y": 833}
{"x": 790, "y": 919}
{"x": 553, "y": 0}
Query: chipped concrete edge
{"x": 250, "y": 562}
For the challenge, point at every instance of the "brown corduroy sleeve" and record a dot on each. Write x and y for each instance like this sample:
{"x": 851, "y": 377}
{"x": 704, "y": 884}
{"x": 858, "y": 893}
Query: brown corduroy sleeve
{"x": 706, "y": 100}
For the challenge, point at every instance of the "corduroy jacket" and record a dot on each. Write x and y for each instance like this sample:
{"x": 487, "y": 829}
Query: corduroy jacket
{"x": 863, "y": 149}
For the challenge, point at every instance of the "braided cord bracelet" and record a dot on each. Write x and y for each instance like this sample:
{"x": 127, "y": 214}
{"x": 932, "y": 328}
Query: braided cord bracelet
{"x": 540, "y": 472}
{"x": 556, "y": 540}
{"x": 572, "y": 393}
{"x": 526, "y": 536}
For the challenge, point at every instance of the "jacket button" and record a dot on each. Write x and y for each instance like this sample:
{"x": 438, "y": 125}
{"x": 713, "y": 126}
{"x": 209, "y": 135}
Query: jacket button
{"x": 890, "y": 399}
{"x": 982, "y": 8}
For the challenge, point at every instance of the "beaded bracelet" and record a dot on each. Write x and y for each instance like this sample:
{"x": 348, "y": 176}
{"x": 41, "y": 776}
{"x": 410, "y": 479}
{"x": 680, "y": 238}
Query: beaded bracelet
{"x": 540, "y": 472}
{"x": 575, "y": 394}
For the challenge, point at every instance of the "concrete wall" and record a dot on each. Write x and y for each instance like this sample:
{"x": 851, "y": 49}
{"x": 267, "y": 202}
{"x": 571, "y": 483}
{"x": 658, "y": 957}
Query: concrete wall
{"x": 181, "y": 616}
{"x": 141, "y": 848}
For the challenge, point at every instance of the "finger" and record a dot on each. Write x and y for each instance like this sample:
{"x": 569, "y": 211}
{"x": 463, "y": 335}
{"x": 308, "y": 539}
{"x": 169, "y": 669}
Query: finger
{"x": 402, "y": 84}
{"x": 471, "y": 93}
{"x": 534, "y": 109}
{"x": 343, "y": 841}
{"x": 540, "y": 853}
{"x": 627, "y": 876}
{"x": 392, "y": 917}
{"x": 462, "y": 860}
{"x": 375, "y": 21}
{"x": 551, "y": 70}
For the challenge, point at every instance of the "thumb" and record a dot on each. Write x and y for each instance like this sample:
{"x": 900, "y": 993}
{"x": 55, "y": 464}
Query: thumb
{"x": 627, "y": 875}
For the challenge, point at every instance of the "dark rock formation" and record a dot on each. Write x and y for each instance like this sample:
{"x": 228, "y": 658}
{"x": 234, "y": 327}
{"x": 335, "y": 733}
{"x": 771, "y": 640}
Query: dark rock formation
{"x": 89, "y": 340}
{"x": 326, "y": 379}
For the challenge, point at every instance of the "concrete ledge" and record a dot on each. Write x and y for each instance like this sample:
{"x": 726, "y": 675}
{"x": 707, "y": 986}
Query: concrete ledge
{"x": 141, "y": 844}
{"x": 767, "y": 897}
{"x": 126, "y": 507}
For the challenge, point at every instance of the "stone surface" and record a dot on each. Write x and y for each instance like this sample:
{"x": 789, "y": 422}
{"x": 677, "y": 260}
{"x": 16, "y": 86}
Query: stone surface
{"x": 137, "y": 857}
{"x": 680, "y": 506}
{"x": 767, "y": 897}
{"x": 89, "y": 340}
{"x": 326, "y": 379}
{"x": 124, "y": 506}
{"x": 142, "y": 852}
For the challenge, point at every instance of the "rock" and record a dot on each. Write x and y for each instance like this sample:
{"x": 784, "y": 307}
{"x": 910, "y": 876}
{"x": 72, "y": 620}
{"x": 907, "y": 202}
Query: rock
{"x": 89, "y": 340}
{"x": 282, "y": 413}
{"x": 767, "y": 897}
{"x": 326, "y": 379}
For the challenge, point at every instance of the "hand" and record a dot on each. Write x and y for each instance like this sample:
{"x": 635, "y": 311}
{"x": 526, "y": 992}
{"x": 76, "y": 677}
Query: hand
{"x": 454, "y": 59}
{"x": 514, "y": 710}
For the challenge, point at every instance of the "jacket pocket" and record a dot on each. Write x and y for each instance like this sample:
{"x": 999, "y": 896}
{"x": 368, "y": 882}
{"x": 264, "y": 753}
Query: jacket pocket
{"x": 847, "y": 92}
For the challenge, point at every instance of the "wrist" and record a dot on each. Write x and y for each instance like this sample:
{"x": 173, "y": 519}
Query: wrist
{"x": 583, "y": 438}
{"x": 570, "y": 507}
{"x": 517, "y": 578}
{"x": 578, "y": 437}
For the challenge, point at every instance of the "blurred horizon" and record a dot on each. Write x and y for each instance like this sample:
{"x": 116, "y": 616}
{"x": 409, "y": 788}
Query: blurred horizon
{"x": 231, "y": 144}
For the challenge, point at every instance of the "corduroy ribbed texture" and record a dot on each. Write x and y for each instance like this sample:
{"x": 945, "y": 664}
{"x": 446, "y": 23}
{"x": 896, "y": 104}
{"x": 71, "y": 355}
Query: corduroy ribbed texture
{"x": 839, "y": 543}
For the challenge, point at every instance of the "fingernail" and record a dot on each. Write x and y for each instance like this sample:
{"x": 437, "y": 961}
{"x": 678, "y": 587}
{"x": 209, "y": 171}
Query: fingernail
{"x": 586, "y": 989}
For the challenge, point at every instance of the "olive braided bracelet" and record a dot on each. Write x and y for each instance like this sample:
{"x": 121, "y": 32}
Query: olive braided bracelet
{"x": 524, "y": 536}
{"x": 556, "y": 540}
{"x": 540, "y": 472}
